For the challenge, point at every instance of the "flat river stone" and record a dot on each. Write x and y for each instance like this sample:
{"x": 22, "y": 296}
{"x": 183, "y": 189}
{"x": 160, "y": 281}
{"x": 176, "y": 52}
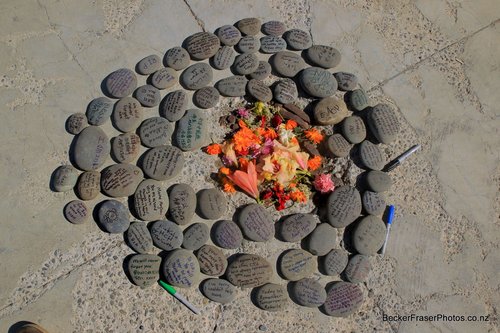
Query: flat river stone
{"x": 182, "y": 203}
{"x": 113, "y": 216}
{"x": 287, "y": 63}
{"x": 371, "y": 156}
{"x": 298, "y": 39}
{"x": 246, "y": 63}
{"x": 143, "y": 269}
{"x": 343, "y": 299}
{"x": 338, "y": 146}
{"x": 92, "y": 148}
{"x": 195, "y": 236}
{"x": 274, "y": 28}
{"x": 354, "y": 129}
{"x": 227, "y": 234}
{"x": 248, "y": 44}
{"x": 120, "y": 180}
{"x": 358, "y": 268}
{"x": 174, "y": 105}
{"x": 155, "y": 132}
{"x": 128, "y": 114}
{"x": 272, "y": 44}
{"x": 324, "y": 56}
{"x": 256, "y": 223}
{"x": 369, "y": 235}
{"x": 177, "y": 58}
{"x": 309, "y": 292}
{"x": 149, "y": 64}
{"x": 99, "y": 111}
{"x": 357, "y": 100}
{"x": 88, "y": 186}
{"x": 181, "y": 269}
{"x": 335, "y": 262}
{"x": 271, "y": 297}
{"x": 212, "y": 260}
{"x": 192, "y": 130}
{"x": 139, "y": 237}
{"x": 318, "y": 82}
{"x": 202, "y": 45}
{"x": 150, "y": 200}
{"x": 65, "y": 178}
{"x": 229, "y": 35}
{"x": 121, "y": 83}
{"x": 76, "y": 123}
{"x": 162, "y": 163}
{"x": 76, "y": 212}
{"x": 378, "y": 181}
{"x": 383, "y": 123}
{"x": 373, "y": 202}
{"x": 233, "y": 86}
{"x": 346, "y": 81}
{"x": 285, "y": 91}
{"x": 344, "y": 206}
{"x": 212, "y": 203}
{"x": 330, "y": 111}
{"x": 322, "y": 239}
{"x": 206, "y": 97}
{"x": 218, "y": 290}
{"x": 249, "y": 271}
{"x": 297, "y": 226}
{"x": 259, "y": 90}
{"x": 164, "y": 78}
{"x": 224, "y": 58}
{"x": 262, "y": 72}
{"x": 126, "y": 147}
{"x": 197, "y": 76}
{"x": 297, "y": 264}
{"x": 166, "y": 235}
{"x": 249, "y": 26}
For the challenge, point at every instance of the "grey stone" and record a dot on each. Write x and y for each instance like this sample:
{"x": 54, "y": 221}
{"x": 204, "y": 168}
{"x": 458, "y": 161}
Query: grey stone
{"x": 344, "y": 206}
{"x": 113, "y": 216}
{"x": 166, "y": 235}
{"x": 162, "y": 163}
{"x": 195, "y": 236}
{"x": 139, "y": 237}
{"x": 227, "y": 234}
{"x": 358, "y": 268}
{"x": 224, "y": 58}
{"x": 371, "y": 156}
{"x": 287, "y": 63}
{"x": 155, "y": 132}
{"x": 218, "y": 290}
{"x": 76, "y": 123}
{"x": 120, "y": 180}
{"x": 248, "y": 271}
{"x": 322, "y": 240}
{"x": 174, "y": 105}
{"x": 228, "y": 35}
{"x": 262, "y": 72}
{"x": 357, "y": 100}
{"x": 65, "y": 178}
{"x": 354, "y": 129}
{"x": 128, "y": 114}
{"x": 297, "y": 264}
{"x": 285, "y": 91}
{"x": 197, "y": 76}
{"x": 149, "y": 64}
{"x": 182, "y": 203}
{"x": 309, "y": 292}
{"x": 150, "y": 200}
{"x": 212, "y": 203}
{"x": 212, "y": 260}
{"x": 148, "y": 95}
{"x": 323, "y": 56}
{"x": 297, "y": 226}
{"x": 383, "y": 123}
{"x": 318, "y": 82}
{"x": 378, "y": 181}
{"x": 298, "y": 39}
{"x": 249, "y": 26}
{"x": 192, "y": 130}
{"x": 338, "y": 146}
{"x": 126, "y": 147}
{"x": 246, "y": 63}
{"x": 181, "y": 269}
{"x": 91, "y": 148}
{"x": 343, "y": 299}
{"x": 202, "y": 45}
{"x": 144, "y": 269}
{"x": 373, "y": 202}
{"x": 330, "y": 111}
{"x": 248, "y": 44}
{"x": 88, "y": 186}
{"x": 274, "y": 28}
{"x": 76, "y": 212}
{"x": 177, "y": 58}
{"x": 335, "y": 262}
{"x": 206, "y": 97}
{"x": 272, "y": 44}
{"x": 233, "y": 86}
{"x": 164, "y": 78}
{"x": 346, "y": 81}
{"x": 121, "y": 83}
{"x": 271, "y": 297}
{"x": 99, "y": 111}
{"x": 256, "y": 223}
{"x": 369, "y": 235}
{"x": 259, "y": 90}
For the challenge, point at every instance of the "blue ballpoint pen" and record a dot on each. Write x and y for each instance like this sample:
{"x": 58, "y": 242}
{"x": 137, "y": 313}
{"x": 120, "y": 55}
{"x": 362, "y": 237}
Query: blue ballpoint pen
{"x": 390, "y": 217}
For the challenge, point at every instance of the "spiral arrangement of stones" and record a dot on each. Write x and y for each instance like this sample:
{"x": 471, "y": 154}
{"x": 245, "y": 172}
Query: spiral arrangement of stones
{"x": 187, "y": 254}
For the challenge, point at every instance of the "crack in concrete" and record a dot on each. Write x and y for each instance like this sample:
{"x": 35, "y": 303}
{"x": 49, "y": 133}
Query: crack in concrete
{"x": 199, "y": 21}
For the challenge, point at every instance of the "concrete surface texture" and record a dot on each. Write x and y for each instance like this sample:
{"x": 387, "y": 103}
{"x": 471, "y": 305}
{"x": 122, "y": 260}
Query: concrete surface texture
{"x": 437, "y": 62}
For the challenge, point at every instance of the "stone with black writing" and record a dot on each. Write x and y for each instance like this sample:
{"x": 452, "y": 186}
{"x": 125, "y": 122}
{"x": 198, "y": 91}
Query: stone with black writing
{"x": 76, "y": 212}
{"x": 248, "y": 271}
{"x": 206, "y": 97}
{"x": 150, "y": 200}
{"x": 155, "y": 132}
{"x": 139, "y": 238}
{"x": 256, "y": 223}
{"x": 182, "y": 203}
{"x": 192, "y": 130}
{"x": 371, "y": 156}
{"x": 197, "y": 76}
{"x": 227, "y": 234}
{"x": 383, "y": 123}
{"x": 166, "y": 235}
{"x": 65, "y": 178}
{"x": 120, "y": 180}
{"x": 128, "y": 114}
{"x": 218, "y": 290}
{"x": 164, "y": 78}
{"x": 338, "y": 146}
{"x": 357, "y": 100}
{"x": 297, "y": 226}
{"x": 181, "y": 269}
{"x": 354, "y": 129}
{"x": 143, "y": 269}
{"x": 358, "y": 268}
{"x": 174, "y": 105}
{"x": 323, "y": 56}
{"x": 335, "y": 262}
{"x": 125, "y": 147}
{"x": 76, "y": 123}
{"x": 318, "y": 82}
{"x": 195, "y": 236}
{"x": 373, "y": 202}
{"x": 177, "y": 58}
{"x": 309, "y": 292}
{"x": 274, "y": 28}
{"x": 113, "y": 216}
{"x": 297, "y": 264}
{"x": 262, "y": 72}
{"x": 212, "y": 203}
{"x": 272, "y": 44}
{"x": 88, "y": 186}
{"x": 343, "y": 299}
{"x": 212, "y": 260}
{"x": 285, "y": 91}
{"x": 343, "y": 206}
{"x": 149, "y": 64}
{"x": 228, "y": 35}
{"x": 298, "y": 39}
{"x": 249, "y": 26}
{"x": 259, "y": 90}
{"x": 162, "y": 163}
{"x": 121, "y": 83}
{"x": 288, "y": 64}
{"x": 271, "y": 297}
{"x": 202, "y": 45}
{"x": 346, "y": 81}
{"x": 369, "y": 235}
{"x": 322, "y": 240}
{"x": 92, "y": 148}
{"x": 330, "y": 111}
{"x": 378, "y": 181}
{"x": 245, "y": 63}
{"x": 99, "y": 111}
{"x": 224, "y": 58}
{"x": 248, "y": 44}
{"x": 233, "y": 86}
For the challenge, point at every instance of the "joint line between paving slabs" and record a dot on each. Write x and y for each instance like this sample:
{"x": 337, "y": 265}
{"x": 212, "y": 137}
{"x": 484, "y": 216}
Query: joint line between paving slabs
{"x": 200, "y": 22}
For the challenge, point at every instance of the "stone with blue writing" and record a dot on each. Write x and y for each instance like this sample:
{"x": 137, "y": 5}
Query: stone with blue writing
{"x": 192, "y": 130}
{"x": 174, "y": 105}
{"x": 99, "y": 111}
{"x": 334, "y": 262}
{"x": 249, "y": 270}
{"x": 249, "y": 26}
{"x": 224, "y": 58}
{"x": 372, "y": 156}
{"x": 195, "y": 236}
{"x": 229, "y": 35}
{"x": 298, "y": 39}
{"x": 92, "y": 148}
{"x": 285, "y": 91}
{"x": 384, "y": 123}
{"x": 297, "y": 264}
{"x": 197, "y": 76}
{"x": 309, "y": 292}
{"x": 150, "y": 200}
{"x": 177, "y": 58}
{"x": 88, "y": 186}
{"x": 358, "y": 268}
{"x": 357, "y": 100}
{"x": 369, "y": 235}
{"x": 202, "y": 45}
{"x": 65, "y": 178}
{"x": 227, "y": 234}
{"x": 272, "y": 44}
{"x": 127, "y": 114}
{"x": 181, "y": 269}
{"x": 233, "y": 86}
{"x": 144, "y": 269}
{"x": 245, "y": 63}
{"x": 343, "y": 206}
{"x": 148, "y": 95}
{"x": 126, "y": 147}
{"x": 318, "y": 82}
{"x": 373, "y": 202}
{"x": 256, "y": 223}
{"x": 248, "y": 44}
{"x": 121, "y": 83}
{"x": 218, "y": 290}
{"x": 139, "y": 238}
{"x": 155, "y": 132}
{"x": 120, "y": 180}
{"x": 271, "y": 297}
{"x": 212, "y": 260}
{"x": 274, "y": 28}
{"x": 166, "y": 235}
{"x": 76, "y": 212}
{"x": 162, "y": 163}
{"x": 206, "y": 97}
{"x": 259, "y": 90}
{"x": 297, "y": 226}
{"x": 323, "y": 56}
{"x": 288, "y": 64}
{"x": 354, "y": 129}
{"x": 182, "y": 203}
{"x": 164, "y": 78}
{"x": 149, "y": 64}
{"x": 212, "y": 203}
{"x": 262, "y": 72}
{"x": 113, "y": 216}
{"x": 343, "y": 299}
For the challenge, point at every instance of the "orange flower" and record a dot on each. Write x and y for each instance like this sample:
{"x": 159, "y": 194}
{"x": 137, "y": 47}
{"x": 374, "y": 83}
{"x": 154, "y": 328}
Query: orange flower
{"x": 244, "y": 138}
{"x": 247, "y": 181}
{"x": 298, "y": 196}
{"x": 229, "y": 188}
{"x": 213, "y": 149}
{"x": 294, "y": 141}
{"x": 224, "y": 171}
{"x": 270, "y": 134}
{"x": 314, "y": 163}
{"x": 243, "y": 162}
{"x": 242, "y": 124}
{"x": 314, "y": 135}
{"x": 292, "y": 185}
{"x": 290, "y": 124}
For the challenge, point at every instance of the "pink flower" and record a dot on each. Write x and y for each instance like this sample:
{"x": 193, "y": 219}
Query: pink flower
{"x": 267, "y": 148}
{"x": 247, "y": 181}
{"x": 243, "y": 113}
{"x": 323, "y": 183}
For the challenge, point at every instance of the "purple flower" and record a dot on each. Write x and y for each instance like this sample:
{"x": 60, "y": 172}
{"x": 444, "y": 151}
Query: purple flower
{"x": 243, "y": 113}
{"x": 267, "y": 148}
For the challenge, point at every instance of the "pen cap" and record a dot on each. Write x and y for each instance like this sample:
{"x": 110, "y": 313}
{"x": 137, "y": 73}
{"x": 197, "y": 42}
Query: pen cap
{"x": 390, "y": 214}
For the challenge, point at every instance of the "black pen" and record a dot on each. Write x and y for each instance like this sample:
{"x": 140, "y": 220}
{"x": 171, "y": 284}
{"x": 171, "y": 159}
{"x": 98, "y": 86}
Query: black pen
{"x": 396, "y": 162}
